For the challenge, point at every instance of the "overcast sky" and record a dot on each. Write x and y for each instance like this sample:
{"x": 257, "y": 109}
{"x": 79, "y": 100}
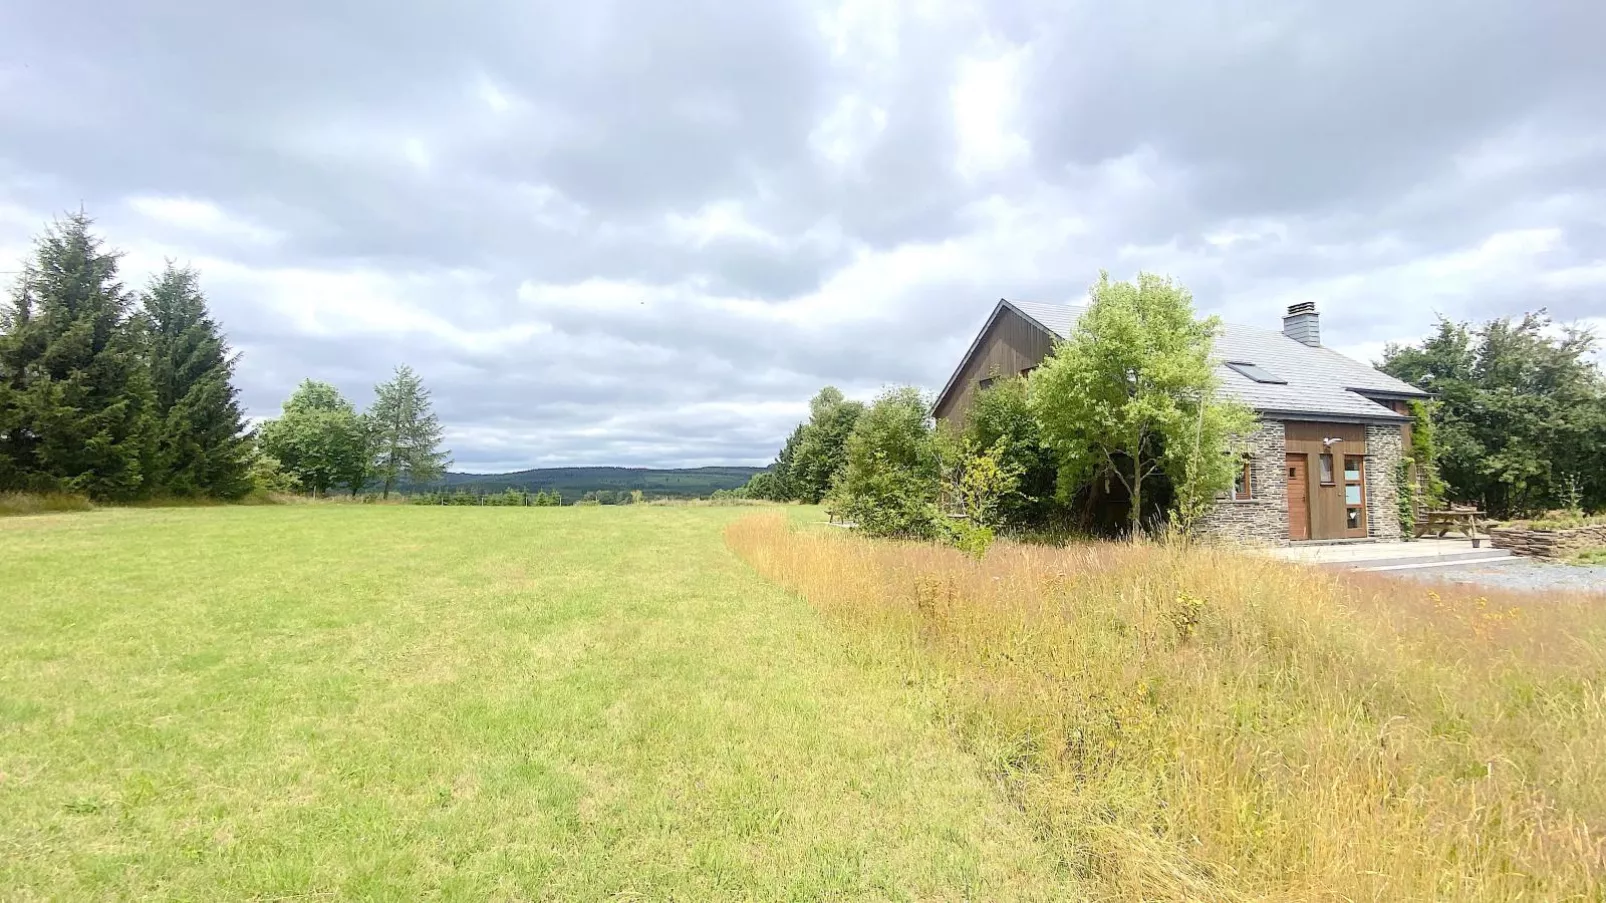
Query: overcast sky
{"x": 646, "y": 232}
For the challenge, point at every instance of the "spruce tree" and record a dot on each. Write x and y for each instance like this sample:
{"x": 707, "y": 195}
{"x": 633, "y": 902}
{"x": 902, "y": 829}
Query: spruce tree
{"x": 407, "y": 434}
{"x": 18, "y": 446}
{"x": 79, "y": 395}
{"x": 201, "y": 447}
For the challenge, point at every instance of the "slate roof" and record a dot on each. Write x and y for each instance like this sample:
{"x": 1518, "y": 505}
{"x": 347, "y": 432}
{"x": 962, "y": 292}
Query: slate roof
{"x": 1320, "y": 382}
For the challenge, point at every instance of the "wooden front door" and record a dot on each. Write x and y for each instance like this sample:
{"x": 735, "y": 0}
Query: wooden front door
{"x": 1298, "y": 498}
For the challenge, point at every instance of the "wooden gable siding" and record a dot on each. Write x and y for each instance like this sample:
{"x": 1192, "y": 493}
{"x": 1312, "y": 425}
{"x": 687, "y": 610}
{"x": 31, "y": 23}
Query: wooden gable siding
{"x": 1011, "y": 344}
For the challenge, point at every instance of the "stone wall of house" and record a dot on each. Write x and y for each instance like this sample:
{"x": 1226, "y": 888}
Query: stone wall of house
{"x": 1547, "y": 543}
{"x": 1263, "y": 518}
{"x": 1385, "y": 446}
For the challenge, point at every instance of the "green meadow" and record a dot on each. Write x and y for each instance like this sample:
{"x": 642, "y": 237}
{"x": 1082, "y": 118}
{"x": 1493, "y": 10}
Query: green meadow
{"x": 370, "y": 702}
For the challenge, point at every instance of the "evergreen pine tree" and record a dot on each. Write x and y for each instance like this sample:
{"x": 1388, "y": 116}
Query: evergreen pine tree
{"x": 78, "y": 413}
{"x": 201, "y": 447}
{"x": 407, "y": 433}
{"x": 18, "y": 446}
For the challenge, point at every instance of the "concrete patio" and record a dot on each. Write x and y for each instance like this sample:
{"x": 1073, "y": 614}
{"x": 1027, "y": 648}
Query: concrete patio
{"x": 1393, "y": 556}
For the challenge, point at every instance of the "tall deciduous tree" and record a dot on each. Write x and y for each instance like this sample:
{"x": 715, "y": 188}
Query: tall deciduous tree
{"x": 1131, "y": 393}
{"x": 77, "y": 407}
{"x": 320, "y": 439}
{"x": 201, "y": 447}
{"x": 821, "y": 450}
{"x": 407, "y": 435}
{"x": 1521, "y": 411}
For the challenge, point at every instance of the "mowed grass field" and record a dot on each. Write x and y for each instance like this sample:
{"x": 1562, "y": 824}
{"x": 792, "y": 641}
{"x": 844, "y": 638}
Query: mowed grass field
{"x": 362, "y": 702}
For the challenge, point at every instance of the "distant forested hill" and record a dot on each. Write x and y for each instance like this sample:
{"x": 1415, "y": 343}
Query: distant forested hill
{"x": 574, "y": 482}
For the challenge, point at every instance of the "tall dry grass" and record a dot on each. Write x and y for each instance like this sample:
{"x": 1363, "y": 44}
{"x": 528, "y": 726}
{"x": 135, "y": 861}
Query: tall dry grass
{"x": 1198, "y": 724}
{"x": 22, "y": 503}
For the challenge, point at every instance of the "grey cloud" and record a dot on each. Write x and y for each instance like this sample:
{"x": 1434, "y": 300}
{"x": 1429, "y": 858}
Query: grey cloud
{"x": 462, "y": 153}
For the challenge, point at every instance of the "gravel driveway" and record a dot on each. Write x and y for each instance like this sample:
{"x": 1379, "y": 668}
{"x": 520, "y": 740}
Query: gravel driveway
{"x": 1524, "y": 573}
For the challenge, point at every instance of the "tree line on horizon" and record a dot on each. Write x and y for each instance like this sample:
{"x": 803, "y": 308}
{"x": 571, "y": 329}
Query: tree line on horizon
{"x": 117, "y": 395}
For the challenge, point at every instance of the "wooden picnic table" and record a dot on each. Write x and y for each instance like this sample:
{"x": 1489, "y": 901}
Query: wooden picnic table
{"x": 1462, "y": 520}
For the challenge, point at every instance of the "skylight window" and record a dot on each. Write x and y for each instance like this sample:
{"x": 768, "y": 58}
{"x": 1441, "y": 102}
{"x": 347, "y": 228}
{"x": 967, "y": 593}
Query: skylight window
{"x": 1257, "y": 374}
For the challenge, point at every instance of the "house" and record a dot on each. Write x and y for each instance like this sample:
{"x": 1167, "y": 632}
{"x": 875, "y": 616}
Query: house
{"x": 1322, "y": 464}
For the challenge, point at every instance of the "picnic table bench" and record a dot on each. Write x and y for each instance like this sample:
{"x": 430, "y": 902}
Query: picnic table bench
{"x": 1461, "y": 520}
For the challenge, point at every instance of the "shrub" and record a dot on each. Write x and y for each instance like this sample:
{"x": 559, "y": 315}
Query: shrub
{"x": 1560, "y": 520}
{"x": 268, "y": 477}
{"x": 1001, "y": 419}
{"x": 890, "y": 482}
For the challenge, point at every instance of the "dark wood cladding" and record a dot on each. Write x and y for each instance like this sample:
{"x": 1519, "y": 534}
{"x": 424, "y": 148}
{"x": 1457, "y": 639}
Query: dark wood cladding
{"x": 1011, "y": 344}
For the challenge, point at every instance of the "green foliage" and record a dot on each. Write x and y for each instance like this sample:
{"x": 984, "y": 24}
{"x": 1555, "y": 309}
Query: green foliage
{"x": 1131, "y": 394}
{"x": 201, "y": 446}
{"x": 1001, "y": 418}
{"x": 1520, "y": 406}
{"x": 1560, "y": 520}
{"x": 984, "y": 482}
{"x": 320, "y": 439}
{"x": 821, "y": 450}
{"x": 972, "y": 539}
{"x": 76, "y": 412}
{"x": 99, "y": 399}
{"x": 892, "y": 475}
{"x": 766, "y": 485}
{"x": 1409, "y": 496}
{"x": 781, "y": 482}
{"x": 407, "y": 434}
{"x": 1424, "y": 454}
{"x": 268, "y": 476}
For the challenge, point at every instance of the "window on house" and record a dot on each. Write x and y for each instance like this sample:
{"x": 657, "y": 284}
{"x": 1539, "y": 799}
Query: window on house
{"x": 1027, "y": 371}
{"x": 1326, "y": 465}
{"x": 987, "y": 382}
{"x": 1257, "y": 373}
{"x": 1354, "y": 492}
{"x": 1243, "y": 482}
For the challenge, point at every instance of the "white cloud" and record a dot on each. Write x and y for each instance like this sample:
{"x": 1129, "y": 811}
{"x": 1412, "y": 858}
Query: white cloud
{"x": 986, "y": 102}
{"x": 200, "y": 216}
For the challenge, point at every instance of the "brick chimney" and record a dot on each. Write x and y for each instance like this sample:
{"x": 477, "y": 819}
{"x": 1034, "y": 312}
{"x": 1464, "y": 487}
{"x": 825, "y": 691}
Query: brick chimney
{"x": 1303, "y": 324}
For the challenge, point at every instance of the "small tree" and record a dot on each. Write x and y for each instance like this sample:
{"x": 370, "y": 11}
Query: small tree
{"x": 268, "y": 476}
{"x": 407, "y": 434}
{"x": 1130, "y": 393}
{"x": 1002, "y": 420}
{"x": 892, "y": 475}
{"x": 765, "y": 485}
{"x": 821, "y": 450}
{"x": 320, "y": 439}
